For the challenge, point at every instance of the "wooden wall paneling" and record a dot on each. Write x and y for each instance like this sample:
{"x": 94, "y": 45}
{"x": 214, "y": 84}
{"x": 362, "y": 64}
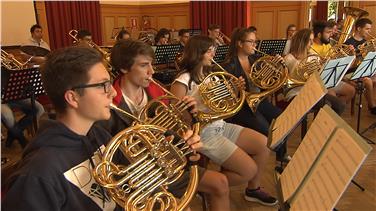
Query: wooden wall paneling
{"x": 108, "y": 25}
{"x": 272, "y": 18}
{"x": 264, "y": 22}
{"x": 285, "y": 18}
{"x": 171, "y": 16}
{"x": 164, "y": 22}
{"x": 42, "y": 18}
{"x": 180, "y": 21}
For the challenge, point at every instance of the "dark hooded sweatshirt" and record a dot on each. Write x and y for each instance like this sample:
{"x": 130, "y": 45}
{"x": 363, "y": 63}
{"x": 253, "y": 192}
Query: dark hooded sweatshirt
{"x": 55, "y": 172}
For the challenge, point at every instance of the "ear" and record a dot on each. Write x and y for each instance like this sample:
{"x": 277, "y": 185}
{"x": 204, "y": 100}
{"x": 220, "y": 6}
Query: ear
{"x": 123, "y": 71}
{"x": 71, "y": 97}
{"x": 319, "y": 35}
{"x": 239, "y": 44}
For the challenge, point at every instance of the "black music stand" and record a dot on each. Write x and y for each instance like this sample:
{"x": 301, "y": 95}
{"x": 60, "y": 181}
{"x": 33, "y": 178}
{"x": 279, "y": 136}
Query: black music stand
{"x": 22, "y": 84}
{"x": 220, "y": 53}
{"x": 335, "y": 70}
{"x": 193, "y": 32}
{"x": 271, "y": 47}
{"x": 166, "y": 54}
{"x": 366, "y": 69}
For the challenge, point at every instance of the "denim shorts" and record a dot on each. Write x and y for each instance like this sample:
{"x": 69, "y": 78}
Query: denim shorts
{"x": 219, "y": 141}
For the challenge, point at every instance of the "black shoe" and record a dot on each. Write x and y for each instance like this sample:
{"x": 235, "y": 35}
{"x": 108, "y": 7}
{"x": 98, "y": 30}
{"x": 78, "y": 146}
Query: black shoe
{"x": 260, "y": 196}
{"x": 285, "y": 159}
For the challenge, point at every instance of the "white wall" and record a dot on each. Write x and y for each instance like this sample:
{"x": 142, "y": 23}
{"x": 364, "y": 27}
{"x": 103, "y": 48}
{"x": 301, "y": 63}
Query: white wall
{"x": 16, "y": 19}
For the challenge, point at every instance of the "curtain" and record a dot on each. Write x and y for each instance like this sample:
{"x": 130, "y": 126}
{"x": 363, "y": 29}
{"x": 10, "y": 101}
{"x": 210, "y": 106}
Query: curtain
{"x": 63, "y": 16}
{"x": 321, "y": 10}
{"x": 228, "y": 14}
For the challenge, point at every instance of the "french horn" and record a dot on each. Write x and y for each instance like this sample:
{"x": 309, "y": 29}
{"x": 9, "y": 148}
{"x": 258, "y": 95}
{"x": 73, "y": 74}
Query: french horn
{"x": 106, "y": 55}
{"x": 155, "y": 162}
{"x": 10, "y": 62}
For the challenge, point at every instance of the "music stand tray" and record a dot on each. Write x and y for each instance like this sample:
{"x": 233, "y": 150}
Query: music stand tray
{"x": 335, "y": 70}
{"x": 220, "y": 53}
{"x": 367, "y": 68}
{"x": 272, "y": 47}
{"x": 19, "y": 83}
{"x": 311, "y": 93}
{"x": 166, "y": 54}
{"x": 22, "y": 84}
{"x": 323, "y": 165}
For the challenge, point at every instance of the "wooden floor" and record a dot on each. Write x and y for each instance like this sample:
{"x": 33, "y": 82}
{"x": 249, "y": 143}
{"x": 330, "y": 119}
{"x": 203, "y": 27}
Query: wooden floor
{"x": 353, "y": 198}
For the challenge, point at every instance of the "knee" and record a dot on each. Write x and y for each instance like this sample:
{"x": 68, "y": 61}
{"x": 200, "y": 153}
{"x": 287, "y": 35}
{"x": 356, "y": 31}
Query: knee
{"x": 220, "y": 186}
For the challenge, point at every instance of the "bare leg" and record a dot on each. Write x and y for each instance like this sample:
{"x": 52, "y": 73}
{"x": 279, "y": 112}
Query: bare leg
{"x": 369, "y": 92}
{"x": 254, "y": 143}
{"x": 216, "y": 186}
{"x": 345, "y": 92}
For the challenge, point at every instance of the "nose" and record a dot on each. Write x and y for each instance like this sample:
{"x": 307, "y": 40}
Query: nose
{"x": 151, "y": 70}
{"x": 113, "y": 92}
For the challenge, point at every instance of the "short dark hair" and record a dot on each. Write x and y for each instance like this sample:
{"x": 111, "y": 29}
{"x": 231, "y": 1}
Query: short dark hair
{"x": 66, "y": 68}
{"x": 121, "y": 34}
{"x": 252, "y": 28}
{"x": 35, "y": 26}
{"x": 124, "y": 52}
{"x": 362, "y": 22}
{"x": 319, "y": 27}
{"x": 214, "y": 26}
{"x": 83, "y": 33}
{"x": 183, "y": 31}
{"x": 161, "y": 33}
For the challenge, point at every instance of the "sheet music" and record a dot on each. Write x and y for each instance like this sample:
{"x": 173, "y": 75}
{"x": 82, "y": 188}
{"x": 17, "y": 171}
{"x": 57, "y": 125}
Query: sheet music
{"x": 309, "y": 95}
{"x": 331, "y": 174}
{"x": 306, "y": 154}
{"x": 367, "y": 68}
{"x": 335, "y": 69}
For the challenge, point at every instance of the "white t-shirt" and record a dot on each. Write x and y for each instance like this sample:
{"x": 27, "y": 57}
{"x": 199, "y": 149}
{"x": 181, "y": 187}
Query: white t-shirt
{"x": 134, "y": 107}
{"x": 194, "y": 92}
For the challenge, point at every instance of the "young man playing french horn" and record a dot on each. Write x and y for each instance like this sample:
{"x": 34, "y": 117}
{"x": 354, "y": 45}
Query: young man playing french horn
{"x": 55, "y": 172}
{"x": 135, "y": 88}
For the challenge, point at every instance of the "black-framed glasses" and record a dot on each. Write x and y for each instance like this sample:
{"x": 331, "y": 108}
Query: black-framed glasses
{"x": 253, "y": 42}
{"x": 107, "y": 85}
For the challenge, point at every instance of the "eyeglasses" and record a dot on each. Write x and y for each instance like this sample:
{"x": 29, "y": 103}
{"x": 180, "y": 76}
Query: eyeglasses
{"x": 107, "y": 85}
{"x": 212, "y": 49}
{"x": 253, "y": 42}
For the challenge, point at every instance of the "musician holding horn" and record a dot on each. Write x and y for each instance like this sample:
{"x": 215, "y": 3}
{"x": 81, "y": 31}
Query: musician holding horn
{"x": 241, "y": 152}
{"x": 361, "y": 32}
{"x": 55, "y": 170}
{"x": 135, "y": 87}
{"x": 215, "y": 33}
{"x": 239, "y": 62}
{"x": 321, "y": 46}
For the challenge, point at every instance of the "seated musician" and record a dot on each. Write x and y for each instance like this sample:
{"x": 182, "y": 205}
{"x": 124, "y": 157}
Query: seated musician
{"x": 183, "y": 37}
{"x": 55, "y": 170}
{"x": 162, "y": 37}
{"x": 84, "y": 37}
{"x": 214, "y": 31}
{"x": 321, "y": 45}
{"x": 290, "y": 31}
{"x": 36, "y": 39}
{"x": 123, "y": 35}
{"x": 362, "y": 30}
{"x": 16, "y": 128}
{"x": 134, "y": 89}
{"x": 239, "y": 62}
{"x": 241, "y": 152}
{"x": 300, "y": 46}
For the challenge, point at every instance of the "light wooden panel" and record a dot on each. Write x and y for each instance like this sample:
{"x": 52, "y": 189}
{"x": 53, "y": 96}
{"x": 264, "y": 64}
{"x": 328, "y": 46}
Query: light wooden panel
{"x": 286, "y": 18}
{"x": 272, "y": 18}
{"x": 170, "y": 16}
{"x": 109, "y": 24}
{"x": 265, "y": 19}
